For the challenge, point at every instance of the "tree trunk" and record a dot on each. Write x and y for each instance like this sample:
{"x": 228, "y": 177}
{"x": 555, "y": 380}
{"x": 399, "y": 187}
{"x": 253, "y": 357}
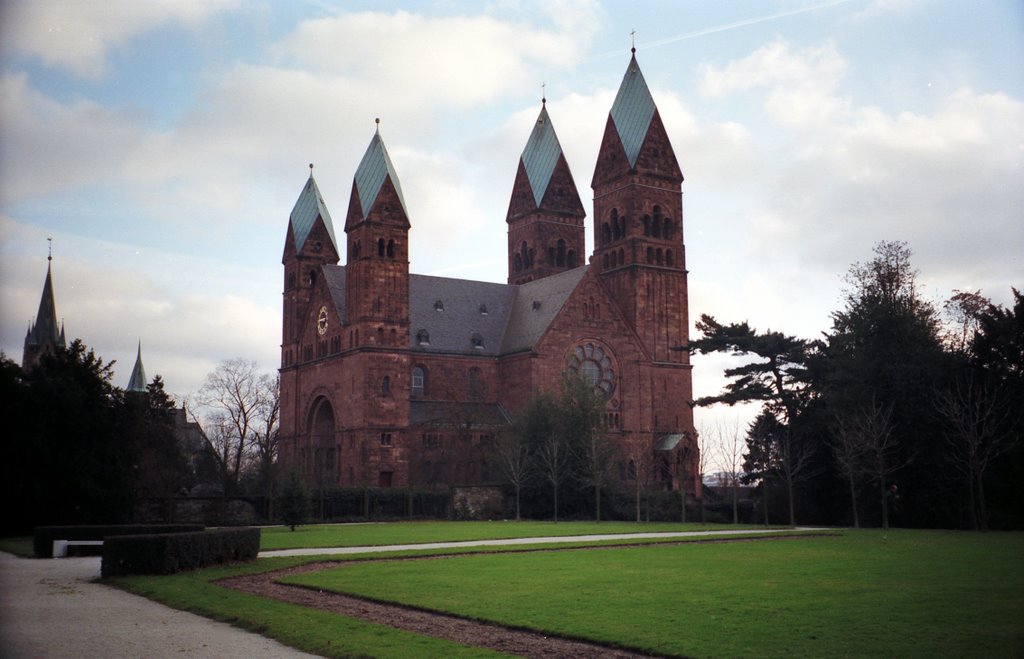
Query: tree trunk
{"x": 853, "y": 503}
{"x": 885, "y": 503}
{"x": 517, "y": 502}
{"x": 764, "y": 499}
{"x": 735, "y": 502}
{"x": 789, "y": 493}
{"x": 682, "y": 502}
{"x": 638, "y": 500}
{"x": 597, "y": 499}
{"x": 982, "y": 513}
{"x": 556, "y": 501}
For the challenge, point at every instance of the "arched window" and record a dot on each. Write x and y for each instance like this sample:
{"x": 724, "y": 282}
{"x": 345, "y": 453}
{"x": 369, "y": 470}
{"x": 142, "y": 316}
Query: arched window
{"x": 604, "y": 261}
{"x": 622, "y": 257}
{"x": 668, "y": 228}
{"x": 355, "y": 250}
{"x": 614, "y": 259}
{"x": 606, "y": 233}
{"x": 391, "y": 249}
{"x": 423, "y": 337}
{"x": 647, "y": 225}
{"x": 419, "y": 381}
{"x": 385, "y": 386}
{"x": 517, "y": 263}
{"x": 312, "y": 277}
{"x": 393, "y": 338}
{"x": 659, "y": 256}
{"x": 570, "y": 258}
{"x": 524, "y": 253}
{"x": 380, "y": 247}
{"x": 650, "y": 255}
{"x": 380, "y": 336}
{"x": 669, "y": 259}
{"x": 560, "y": 254}
{"x": 616, "y": 229}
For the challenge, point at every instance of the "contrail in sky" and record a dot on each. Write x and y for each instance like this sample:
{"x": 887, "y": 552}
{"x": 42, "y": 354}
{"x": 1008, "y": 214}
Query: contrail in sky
{"x": 728, "y": 26}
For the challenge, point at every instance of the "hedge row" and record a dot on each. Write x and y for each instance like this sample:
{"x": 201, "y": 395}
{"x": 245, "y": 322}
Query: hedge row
{"x": 167, "y": 553}
{"x": 43, "y": 536}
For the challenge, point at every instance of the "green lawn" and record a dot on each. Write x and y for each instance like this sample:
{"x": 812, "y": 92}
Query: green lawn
{"x": 867, "y": 593}
{"x": 357, "y": 535}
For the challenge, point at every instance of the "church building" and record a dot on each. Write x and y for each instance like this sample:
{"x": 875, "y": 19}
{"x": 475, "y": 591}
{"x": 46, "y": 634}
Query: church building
{"x": 392, "y": 379}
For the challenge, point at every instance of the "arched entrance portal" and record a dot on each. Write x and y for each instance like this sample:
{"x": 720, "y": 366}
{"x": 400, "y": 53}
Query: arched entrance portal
{"x": 324, "y": 468}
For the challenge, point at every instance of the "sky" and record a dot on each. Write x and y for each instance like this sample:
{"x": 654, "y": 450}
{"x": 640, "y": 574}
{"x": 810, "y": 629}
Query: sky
{"x": 162, "y": 145}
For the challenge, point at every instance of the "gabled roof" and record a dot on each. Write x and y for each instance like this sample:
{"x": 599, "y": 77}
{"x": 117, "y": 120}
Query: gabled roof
{"x": 373, "y": 169}
{"x": 473, "y": 317}
{"x": 541, "y": 155}
{"x": 309, "y": 206}
{"x": 137, "y": 383}
{"x": 632, "y": 110}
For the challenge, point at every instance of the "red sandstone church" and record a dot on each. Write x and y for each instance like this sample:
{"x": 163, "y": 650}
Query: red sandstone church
{"x": 394, "y": 379}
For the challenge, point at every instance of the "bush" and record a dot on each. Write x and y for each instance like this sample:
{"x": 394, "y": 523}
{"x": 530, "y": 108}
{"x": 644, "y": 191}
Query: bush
{"x": 43, "y": 536}
{"x": 167, "y": 553}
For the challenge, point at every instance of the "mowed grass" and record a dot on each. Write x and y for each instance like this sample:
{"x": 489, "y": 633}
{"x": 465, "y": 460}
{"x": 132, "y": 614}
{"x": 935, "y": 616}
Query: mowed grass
{"x": 370, "y": 535}
{"x": 865, "y": 593}
{"x": 314, "y": 631}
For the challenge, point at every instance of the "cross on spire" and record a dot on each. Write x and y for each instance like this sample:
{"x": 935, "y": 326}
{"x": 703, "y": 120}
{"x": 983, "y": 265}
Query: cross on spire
{"x": 49, "y": 256}
{"x": 632, "y": 37}
{"x": 543, "y": 96}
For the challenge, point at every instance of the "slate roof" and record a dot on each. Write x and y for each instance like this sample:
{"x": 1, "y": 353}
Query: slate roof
{"x": 137, "y": 382}
{"x": 541, "y": 155}
{"x": 309, "y": 206}
{"x": 370, "y": 175}
{"x": 633, "y": 110}
{"x": 461, "y": 316}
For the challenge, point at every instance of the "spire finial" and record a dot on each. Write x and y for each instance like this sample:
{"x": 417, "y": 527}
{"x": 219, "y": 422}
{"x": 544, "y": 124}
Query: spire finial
{"x": 49, "y": 257}
{"x": 543, "y": 96}
{"x": 632, "y": 38}
{"x": 310, "y": 170}
{"x": 377, "y": 121}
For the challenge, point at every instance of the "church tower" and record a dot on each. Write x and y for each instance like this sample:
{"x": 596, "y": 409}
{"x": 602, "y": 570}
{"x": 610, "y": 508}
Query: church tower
{"x": 377, "y": 269}
{"x": 545, "y": 216}
{"x": 43, "y": 336}
{"x": 309, "y": 244}
{"x": 638, "y": 221}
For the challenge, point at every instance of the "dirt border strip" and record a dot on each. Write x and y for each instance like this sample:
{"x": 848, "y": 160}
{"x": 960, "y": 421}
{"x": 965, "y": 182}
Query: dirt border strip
{"x": 475, "y": 633}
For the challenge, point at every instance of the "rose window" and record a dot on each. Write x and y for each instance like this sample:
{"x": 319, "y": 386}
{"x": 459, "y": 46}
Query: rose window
{"x": 595, "y": 364}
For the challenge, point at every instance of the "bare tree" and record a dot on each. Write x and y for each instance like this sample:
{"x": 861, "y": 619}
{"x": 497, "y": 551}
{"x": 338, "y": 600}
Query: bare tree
{"x": 979, "y": 429}
{"x": 266, "y": 433}
{"x": 849, "y": 451}
{"x": 235, "y": 396}
{"x": 730, "y": 446}
{"x": 581, "y": 421}
{"x": 882, "y": 451}
{"x": 638, "y": 470}
{"x": 512, "y": 452}
{"x": 552, "y": 460}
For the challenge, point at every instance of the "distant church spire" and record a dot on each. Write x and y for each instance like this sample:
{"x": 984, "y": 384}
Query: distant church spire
{"x": 137, "y": 383}
{"x": 43, "y": 335}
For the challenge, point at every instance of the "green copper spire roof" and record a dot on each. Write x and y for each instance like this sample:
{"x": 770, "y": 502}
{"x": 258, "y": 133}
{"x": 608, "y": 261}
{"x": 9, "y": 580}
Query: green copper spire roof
{"x": 137, "y": 383}
{"x": 309, "y": 206}
{"x": 541, "y": 155}
{"x": 633, "y": 110}
{"x": 373, "y": 169}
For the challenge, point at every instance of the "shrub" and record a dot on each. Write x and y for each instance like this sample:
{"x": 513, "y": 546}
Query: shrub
{"x": 167, "y": 553}
{"x": 43, "y": 536}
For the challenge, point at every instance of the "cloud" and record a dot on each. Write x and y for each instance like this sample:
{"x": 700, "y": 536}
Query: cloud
{"x": 452, "y": 61}
{"x": 775, "y": 65}
{"x": 77, "y": 36}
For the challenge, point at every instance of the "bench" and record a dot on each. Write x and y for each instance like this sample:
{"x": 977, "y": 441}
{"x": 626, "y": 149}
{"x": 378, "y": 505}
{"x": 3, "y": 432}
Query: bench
{"x": 60, "y": 547}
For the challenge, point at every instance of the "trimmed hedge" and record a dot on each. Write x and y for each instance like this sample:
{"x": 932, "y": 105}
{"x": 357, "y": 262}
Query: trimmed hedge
{"x": 43, "y": 536}
{"x": 167, "y": 553}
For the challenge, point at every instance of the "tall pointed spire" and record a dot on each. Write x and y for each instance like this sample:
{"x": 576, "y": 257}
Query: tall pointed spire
{"x": 374, "y": 169}
{"x": 44, "y": 335}
{"x": 309, "y": 208}
{"x": 137, "y": 383}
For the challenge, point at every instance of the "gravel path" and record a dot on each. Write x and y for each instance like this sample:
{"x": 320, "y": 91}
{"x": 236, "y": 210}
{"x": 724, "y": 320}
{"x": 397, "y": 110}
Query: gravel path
{"x": 50, "y": 608}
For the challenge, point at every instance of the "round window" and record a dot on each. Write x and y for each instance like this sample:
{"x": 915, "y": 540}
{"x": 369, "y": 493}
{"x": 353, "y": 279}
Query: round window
{"x": 593, "y": 363}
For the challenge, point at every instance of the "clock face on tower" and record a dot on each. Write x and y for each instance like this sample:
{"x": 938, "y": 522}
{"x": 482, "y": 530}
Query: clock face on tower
{"x": 321, "y": 321}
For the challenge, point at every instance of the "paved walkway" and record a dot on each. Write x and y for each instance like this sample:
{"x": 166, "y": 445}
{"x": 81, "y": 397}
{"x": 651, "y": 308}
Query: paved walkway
{"x": 49, "y": 607}
{"x": 323, "y": 551}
